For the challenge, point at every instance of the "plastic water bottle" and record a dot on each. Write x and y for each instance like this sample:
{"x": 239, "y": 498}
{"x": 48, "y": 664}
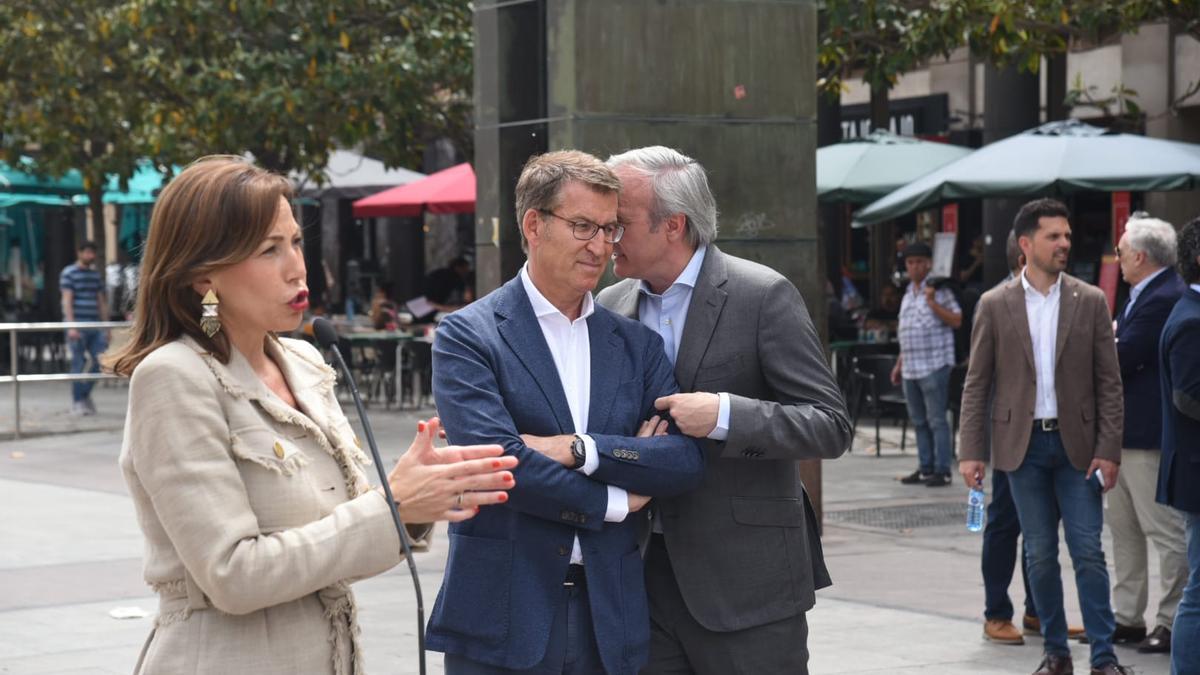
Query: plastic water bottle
{"x": 975, "y": 509}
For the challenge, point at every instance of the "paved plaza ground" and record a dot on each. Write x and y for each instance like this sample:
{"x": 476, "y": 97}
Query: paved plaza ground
{"x": 907, "y": 594}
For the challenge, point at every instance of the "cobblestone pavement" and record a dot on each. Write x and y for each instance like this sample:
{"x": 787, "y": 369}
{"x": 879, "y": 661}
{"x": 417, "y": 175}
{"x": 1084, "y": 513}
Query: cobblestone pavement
{"x": 907, "y": 594}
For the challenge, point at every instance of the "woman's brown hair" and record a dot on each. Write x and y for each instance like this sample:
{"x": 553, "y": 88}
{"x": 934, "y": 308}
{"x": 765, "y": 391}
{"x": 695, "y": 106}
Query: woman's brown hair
{"x": 212, "y": 215}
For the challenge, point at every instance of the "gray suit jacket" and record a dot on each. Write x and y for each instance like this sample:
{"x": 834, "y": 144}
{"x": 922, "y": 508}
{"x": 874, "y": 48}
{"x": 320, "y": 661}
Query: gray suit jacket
{"x": 745, "y": 546}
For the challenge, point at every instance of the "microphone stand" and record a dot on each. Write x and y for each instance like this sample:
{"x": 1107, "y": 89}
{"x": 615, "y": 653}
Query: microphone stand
{"x": 387, "y": 489}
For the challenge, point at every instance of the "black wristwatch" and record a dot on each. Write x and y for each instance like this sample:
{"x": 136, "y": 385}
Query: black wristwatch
{"x": 579, "y": 452}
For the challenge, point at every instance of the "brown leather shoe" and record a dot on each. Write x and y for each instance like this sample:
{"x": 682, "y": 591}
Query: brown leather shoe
{"x": 1002, "y": 631}
{"x": 1112, "y": 669}
{"x": 1157, "y": 642}
{"x": 1033, "y": 626}
{"x": 1055, "y": 665}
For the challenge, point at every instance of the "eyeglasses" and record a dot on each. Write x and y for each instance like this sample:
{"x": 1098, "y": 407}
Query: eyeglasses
{"x": 585, "y": 230}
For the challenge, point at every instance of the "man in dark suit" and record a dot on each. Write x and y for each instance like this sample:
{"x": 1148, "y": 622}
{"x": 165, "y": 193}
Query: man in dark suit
{"x": 1043, "y": 343}
{"x": 732, "y": 566}
{"x": 1179, "y": 474}
{"x": 552, "y": 582}
{"x": 1147, "y": 255}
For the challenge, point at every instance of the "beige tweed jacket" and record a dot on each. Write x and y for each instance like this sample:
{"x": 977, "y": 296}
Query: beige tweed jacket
{"x": 257, "y": 516}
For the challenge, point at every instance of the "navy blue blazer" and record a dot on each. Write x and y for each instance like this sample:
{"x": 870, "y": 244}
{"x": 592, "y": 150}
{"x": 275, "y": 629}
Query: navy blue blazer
{"x": 1137, "y": 351}
{"x": 1179, "y": 472}
{"x": 494, "y": 379}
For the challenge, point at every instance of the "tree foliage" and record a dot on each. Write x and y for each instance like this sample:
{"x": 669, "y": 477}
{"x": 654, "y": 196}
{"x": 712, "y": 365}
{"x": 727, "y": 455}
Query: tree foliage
{"x": 883, "y": 38}
{"x": 97, "y": 84}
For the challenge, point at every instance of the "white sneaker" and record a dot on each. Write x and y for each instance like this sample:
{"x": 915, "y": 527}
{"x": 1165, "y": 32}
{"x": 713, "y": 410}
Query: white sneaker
{"x": 89, "y": 407}
{"x": 79, "y": 409}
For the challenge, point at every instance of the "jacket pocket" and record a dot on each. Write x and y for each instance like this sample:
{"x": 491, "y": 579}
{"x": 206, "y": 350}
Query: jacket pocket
{"x": 280, "y": 491}
{"x": 768, "y": 512}
{"x": 475, "y": 590}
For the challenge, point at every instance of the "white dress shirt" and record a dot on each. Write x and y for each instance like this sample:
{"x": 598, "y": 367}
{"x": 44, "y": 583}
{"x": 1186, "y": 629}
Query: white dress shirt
{"x": 570, "y": 347}
{"x": 1042, "y": 312}
{"x": 1141, "y": 286}
{"x": 666, "y": 315}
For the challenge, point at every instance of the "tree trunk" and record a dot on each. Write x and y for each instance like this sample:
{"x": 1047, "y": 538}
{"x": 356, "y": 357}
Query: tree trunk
{"x": 96, "y": 206}
{"x": 880, "y": 117}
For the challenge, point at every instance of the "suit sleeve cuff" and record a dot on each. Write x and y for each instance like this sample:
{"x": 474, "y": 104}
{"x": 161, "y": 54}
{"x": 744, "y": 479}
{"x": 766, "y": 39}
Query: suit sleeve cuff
{"x": 618, "y": 505}
{"x": 721, "y": 431}
{"x": 592, "y": 461}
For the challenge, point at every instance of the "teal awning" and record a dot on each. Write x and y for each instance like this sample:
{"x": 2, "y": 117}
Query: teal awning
{"x": 9, "y": 199}
{"x": 144, "y": 186}
{"x": 23, "y": 178}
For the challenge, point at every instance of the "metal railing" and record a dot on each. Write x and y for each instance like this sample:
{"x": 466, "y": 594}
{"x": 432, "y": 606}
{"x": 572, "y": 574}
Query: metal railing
{"x": 16, "y": 378}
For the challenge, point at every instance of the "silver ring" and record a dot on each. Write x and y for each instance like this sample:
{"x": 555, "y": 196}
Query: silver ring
{"x": 458, "y": 501}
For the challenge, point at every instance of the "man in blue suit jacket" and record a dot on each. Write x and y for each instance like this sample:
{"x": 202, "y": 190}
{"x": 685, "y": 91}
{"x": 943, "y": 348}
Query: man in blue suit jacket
{"x": 552, "y": 581}
{"x": 1147, "y": 257}
{"x": 1179, "y": 477}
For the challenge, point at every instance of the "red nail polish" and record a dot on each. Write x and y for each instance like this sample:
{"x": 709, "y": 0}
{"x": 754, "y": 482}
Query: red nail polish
{"x": 503, "y": 497}
{"x": 421, "y": 427}
{"x": 495, "y": 464}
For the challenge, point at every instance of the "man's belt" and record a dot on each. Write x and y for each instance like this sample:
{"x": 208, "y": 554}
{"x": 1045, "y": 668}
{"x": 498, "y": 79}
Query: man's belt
{"x": 1046, "y": 424}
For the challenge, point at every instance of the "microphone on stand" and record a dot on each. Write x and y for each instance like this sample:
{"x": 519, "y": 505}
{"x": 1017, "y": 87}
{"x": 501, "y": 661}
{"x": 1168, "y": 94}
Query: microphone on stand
{"x": 327, "y": 337}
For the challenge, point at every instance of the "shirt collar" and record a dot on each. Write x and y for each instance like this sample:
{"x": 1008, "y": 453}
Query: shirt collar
{"x": 1141, "y": 285}
{"x": 1030, "y": 289}
{"x": 543, "y": 307}
{"x": 688, "y": 277}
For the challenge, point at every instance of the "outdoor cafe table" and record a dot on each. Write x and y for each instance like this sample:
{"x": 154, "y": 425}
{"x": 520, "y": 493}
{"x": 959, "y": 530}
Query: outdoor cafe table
{"x": 400, "y": 341}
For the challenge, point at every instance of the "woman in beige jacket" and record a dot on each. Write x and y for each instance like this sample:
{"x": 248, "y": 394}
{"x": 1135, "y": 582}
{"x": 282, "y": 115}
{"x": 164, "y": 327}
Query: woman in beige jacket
{"x": 247, "y": 479}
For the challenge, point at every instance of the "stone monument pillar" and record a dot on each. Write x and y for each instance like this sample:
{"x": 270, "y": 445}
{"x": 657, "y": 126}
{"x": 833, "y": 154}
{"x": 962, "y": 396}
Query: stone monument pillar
{"x": 728, "y": 82}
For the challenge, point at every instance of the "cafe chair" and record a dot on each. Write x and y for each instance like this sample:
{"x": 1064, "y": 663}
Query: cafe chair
{"x": 872, "y": 386}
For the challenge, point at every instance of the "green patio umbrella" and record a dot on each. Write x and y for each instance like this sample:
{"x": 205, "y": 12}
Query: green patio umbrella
{"x": 864, "y": 169}
{"x": 1056, "y": 158}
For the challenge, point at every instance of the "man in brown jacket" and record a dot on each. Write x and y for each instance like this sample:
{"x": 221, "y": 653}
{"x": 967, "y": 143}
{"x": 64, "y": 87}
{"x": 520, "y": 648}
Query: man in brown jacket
{"x": 1044, "y": 342}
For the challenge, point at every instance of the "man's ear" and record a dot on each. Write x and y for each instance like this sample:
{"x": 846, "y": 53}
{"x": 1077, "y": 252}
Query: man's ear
{"x": 676, "y": 227}
{"x": 530, "y": 225}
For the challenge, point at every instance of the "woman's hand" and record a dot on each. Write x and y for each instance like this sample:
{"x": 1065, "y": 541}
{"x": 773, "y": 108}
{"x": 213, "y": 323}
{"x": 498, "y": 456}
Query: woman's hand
{"x": 448, "y": 483}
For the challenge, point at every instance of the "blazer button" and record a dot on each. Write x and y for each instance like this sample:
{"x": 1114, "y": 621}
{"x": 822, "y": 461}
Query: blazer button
{"x": 563, "y": 550}
{"x": 279, "y": 450}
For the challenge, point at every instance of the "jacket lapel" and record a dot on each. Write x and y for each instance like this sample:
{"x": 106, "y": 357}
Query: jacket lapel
{"x": 518, "y": 327}
{"x": 1068, "y": 305}
{"x": 1014, "y": 299}
{"x": 606, "y": 356}
{"x": 628, "y": 296}
{"x": 708, "y": 299}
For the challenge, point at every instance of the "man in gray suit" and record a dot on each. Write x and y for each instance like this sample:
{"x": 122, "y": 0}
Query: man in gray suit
{"x": 732, "y": 566}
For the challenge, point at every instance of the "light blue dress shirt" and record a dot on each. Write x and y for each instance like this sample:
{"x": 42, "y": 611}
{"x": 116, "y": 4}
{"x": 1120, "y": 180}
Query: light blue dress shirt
{"x": 666, "y": 315}
{"x": 1137, "y": 290}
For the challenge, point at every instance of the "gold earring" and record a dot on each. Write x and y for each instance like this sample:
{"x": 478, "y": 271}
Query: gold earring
{"x": 210, "y": 323}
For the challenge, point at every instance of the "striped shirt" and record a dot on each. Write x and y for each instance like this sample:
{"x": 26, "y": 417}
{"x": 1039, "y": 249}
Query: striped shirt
{"x": 926, "y": 343}
{"x": 86, "y": 285}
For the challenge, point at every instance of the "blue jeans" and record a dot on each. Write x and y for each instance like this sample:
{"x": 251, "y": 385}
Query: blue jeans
{"x": 1044, "y": 487}
{"x": 85, "y": 353}
{"x": 1000, "y": 553}
{"x": 926, "y": 399}
{"x": 1185, "y": 634}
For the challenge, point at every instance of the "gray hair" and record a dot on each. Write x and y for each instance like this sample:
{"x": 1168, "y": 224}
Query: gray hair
{"x": 1154, "y": 237}
{"x": 679, "y": 185}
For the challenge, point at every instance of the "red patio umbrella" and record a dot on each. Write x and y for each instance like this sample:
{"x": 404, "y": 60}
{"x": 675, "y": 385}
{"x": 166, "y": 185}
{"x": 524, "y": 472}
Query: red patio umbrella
{"x": 447, "y": 191}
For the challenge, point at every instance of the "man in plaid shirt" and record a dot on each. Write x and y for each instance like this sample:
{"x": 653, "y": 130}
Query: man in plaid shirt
{"x": 928, "y": 318}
